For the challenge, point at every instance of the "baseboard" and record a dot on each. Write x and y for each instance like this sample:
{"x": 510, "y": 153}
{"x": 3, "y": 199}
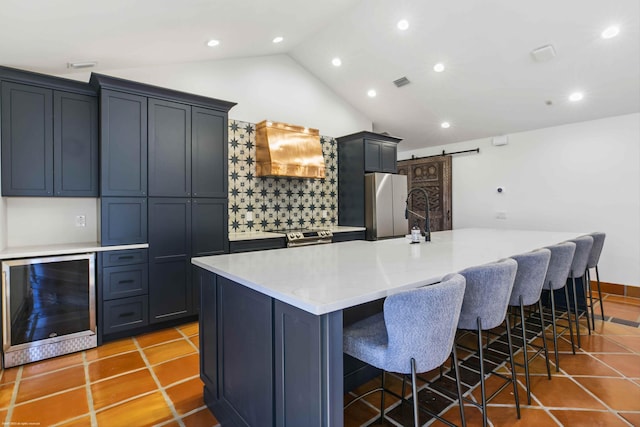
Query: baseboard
{"x": 617, "y": 289}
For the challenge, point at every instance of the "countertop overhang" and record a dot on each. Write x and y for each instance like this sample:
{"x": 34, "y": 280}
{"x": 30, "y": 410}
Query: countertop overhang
{"x": 324, "y": 278}
{"x": 62, "y": 249}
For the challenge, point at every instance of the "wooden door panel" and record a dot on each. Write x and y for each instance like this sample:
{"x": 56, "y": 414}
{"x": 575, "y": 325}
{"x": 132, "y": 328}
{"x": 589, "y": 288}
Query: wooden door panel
{"x": 434, "y": 175}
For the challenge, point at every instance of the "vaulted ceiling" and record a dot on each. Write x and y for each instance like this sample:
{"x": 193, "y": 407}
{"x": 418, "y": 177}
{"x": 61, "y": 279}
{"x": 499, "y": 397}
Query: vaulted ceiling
{"x": 491, "y": 84}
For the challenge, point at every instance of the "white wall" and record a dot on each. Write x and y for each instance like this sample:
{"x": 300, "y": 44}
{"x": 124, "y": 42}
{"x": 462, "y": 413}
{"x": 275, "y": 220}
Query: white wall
{"x": 49, "y": 220}
{"x": 267, "y": 87}
{"x": 578, "y": 177}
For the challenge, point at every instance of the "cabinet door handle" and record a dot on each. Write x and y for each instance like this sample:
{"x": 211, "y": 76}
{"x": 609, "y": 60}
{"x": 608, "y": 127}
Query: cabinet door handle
{"x": 448, "y": 215}
{"x": 125, "y": 257}
{"x": 125, "y": 281}
{"x": 127, "y": 314}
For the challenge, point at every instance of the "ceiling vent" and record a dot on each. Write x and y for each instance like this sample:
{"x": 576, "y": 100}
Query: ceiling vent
{"x": 402, "y": 81}
{"x": 544, "y": 53}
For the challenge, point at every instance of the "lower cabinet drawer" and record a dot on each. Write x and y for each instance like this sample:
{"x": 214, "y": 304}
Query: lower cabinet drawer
{"x": 126, "y": 313}
{"x": 125, "y": 281}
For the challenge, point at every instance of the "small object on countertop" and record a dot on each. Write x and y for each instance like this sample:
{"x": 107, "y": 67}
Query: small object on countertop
{"x": 415, "y": 234}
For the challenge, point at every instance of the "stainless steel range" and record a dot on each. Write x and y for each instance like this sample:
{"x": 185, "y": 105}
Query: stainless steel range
{"x": 308, "y": 237}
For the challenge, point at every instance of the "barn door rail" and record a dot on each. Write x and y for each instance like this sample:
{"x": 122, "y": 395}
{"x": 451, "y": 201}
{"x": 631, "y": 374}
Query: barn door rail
{"x": 475, "y": 150}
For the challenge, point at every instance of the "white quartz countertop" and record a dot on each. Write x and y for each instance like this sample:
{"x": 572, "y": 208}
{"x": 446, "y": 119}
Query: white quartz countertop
{"x": 254, "y": 235}
{"x": 325, "y": 278}
{"x": 62, "y": 249}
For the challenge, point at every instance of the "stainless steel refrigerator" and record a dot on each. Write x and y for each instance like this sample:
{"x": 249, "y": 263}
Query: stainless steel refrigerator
{"x": 385, "y": 202}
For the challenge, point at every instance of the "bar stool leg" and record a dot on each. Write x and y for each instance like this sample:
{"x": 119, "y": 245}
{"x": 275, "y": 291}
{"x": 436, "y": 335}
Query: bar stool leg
{"x": 513, "y": 368}
{"x": 588, "y": 302}
{"x": 544, "y": 339}
{"x": 414, "y": 390}
{"x": 575, "y": 305}
{"x": 588, "y": 281}
{"x": 454, "y": 360}
{"x": 482, "y": 386}
{"x": 566, "y": 295}
{"x": 555, "y": 330}
{"x": 382, "y": 399}
{"x": 524, "y": 350}
{"x": 599, "y": 293}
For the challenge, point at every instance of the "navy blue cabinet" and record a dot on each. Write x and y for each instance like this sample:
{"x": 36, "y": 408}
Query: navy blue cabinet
{"x": 209, "y": 153}
{"x": 169, "y": 149}
{"x": 170, "y": 291}
{"x": 49, "y": 137}
{"x": 123, "y": 142}
{"x": 361, "y": 153}
{"x": 75, "y": 145}
{"x": 123, "y": 220}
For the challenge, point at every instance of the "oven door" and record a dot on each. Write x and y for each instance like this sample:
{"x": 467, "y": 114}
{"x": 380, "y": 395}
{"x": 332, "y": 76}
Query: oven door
{"x": 47, "y": 304}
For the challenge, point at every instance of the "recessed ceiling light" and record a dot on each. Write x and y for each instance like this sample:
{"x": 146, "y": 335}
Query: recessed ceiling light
{"x": 610, "y": 32}
{"x": 278, "y": 39}
{"x": 403, "y": 24}
{"x": 439, "y": 67}
{"x": 336, "y": 62}
{"x": 576, "y": 96}
{"x": 445, "y": 125}
{"x": 212, "y": 43}
{"x": 372, "y": 93}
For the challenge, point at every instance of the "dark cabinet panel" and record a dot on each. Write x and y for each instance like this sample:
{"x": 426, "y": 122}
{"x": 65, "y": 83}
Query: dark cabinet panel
{"x": 124, "y": 257}
{"x": 27, "y": 140}
{"x": 372, "y": 156}
{"x": 210, "y": 235}
{"x": 170, "y": 288}
{"x": 124, "y": 281}
{"x": 123, "y": 144}
{"x": 169, "y": 149}
{"x": 208, "y": 324}
{"x": 75, "y": 145}
{"x": 348, "y": 236}
{"x": 380, "y": 156}
{"x": 126, "y": 313}
{"x": 388, "y": 157}
{"x": 123, "y": 220}
{"x": 239, "y": 246}
{"x": 245, "y": 352}
{"x": 209, "y": 153}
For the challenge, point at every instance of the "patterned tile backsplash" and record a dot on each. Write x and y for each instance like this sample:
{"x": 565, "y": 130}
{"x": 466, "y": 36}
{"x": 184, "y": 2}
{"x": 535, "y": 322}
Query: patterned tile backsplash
{"x": 277, "y": 203}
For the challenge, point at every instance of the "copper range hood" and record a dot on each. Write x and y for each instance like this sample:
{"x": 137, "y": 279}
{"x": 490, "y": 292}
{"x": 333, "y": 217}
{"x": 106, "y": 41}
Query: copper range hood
{"x": 288, "y": 151}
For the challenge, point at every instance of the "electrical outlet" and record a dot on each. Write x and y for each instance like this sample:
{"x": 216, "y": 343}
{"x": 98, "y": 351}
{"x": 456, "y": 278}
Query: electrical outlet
{"x": 81, "y": 220}
{"x": 325, "y": 214}
{"x": 249, "y": 216}
{"x": 501, "y": 215}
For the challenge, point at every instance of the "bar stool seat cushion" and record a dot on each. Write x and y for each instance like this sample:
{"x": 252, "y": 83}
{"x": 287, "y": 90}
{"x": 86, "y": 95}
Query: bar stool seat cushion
{"x": 419, "y": 324}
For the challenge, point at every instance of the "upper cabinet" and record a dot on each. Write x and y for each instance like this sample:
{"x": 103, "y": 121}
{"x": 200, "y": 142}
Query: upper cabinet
{"x": 361, "y": 153}
{"x": 49, "y": 136}
{"x": 208, "y": 153}
{"x": 123, "y": 141}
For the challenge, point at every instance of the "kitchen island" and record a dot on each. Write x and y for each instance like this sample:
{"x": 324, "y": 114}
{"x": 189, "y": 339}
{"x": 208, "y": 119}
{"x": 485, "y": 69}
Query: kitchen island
{"x": 271, "y": 322}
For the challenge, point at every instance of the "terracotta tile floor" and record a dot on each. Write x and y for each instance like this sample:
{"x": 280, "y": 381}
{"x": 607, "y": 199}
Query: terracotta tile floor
{"x": 153, "y": 380}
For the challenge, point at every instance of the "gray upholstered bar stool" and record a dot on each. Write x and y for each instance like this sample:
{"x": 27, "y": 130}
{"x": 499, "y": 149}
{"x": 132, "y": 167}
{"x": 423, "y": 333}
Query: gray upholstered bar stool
{"x": 485, "y": 304}
{"x": 556, "y": 278}
{"x": 413, "y": 334}
{"x": 577, "y": 271}
{"x": 594, "y": 258}
{"x": 527, "y": 288}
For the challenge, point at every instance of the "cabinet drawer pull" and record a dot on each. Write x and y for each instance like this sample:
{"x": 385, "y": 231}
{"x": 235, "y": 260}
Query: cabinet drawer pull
{"x": 127, "y": 314}
{"x": 125, "y": 257}
{"x": 125, "y": 281}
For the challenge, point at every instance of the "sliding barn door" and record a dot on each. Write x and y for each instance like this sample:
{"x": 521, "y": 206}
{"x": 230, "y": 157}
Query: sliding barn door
{"x": 434, "y": 175}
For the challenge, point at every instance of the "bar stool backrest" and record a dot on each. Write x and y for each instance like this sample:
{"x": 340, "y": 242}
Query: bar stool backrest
{"x": 532, "y": 269}
{"x": 596, "y": 249}
{"x": 487, "y": 294}
{"x": 580, "y": 258}
{"x": 559, "y": 265}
